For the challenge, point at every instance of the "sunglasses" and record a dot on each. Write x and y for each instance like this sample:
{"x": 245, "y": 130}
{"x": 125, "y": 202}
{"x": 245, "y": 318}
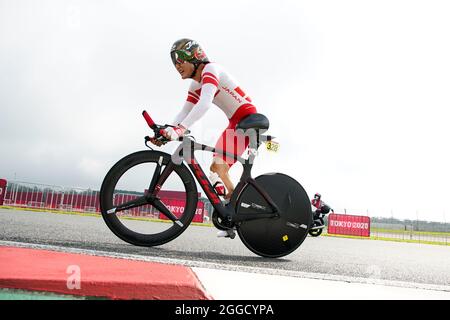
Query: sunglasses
{"x": 179, "y": 57}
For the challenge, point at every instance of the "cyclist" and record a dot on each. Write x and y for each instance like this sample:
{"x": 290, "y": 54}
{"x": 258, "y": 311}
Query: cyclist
{"x": 321, "y": 207}
{"x": 211, "y": 85}
{"x": 316, "y": 202}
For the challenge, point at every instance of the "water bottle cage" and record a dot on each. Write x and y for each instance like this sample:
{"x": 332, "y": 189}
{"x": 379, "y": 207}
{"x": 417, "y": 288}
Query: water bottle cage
{"x": 220, "y": 188}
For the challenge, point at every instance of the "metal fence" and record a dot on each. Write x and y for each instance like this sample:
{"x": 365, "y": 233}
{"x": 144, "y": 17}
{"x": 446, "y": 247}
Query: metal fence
{"x": 412, "y": 235}
{"x": 50, "y": 197}
{"x": 417, "y": 231}
{"x": 32, "y": 195}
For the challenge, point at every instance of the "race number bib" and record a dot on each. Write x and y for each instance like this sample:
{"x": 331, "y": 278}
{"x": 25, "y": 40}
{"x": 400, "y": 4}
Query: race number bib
{"x": 272, "y": 146}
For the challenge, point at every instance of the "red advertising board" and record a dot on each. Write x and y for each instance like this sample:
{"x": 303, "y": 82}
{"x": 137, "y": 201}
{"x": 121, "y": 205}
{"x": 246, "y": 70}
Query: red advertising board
{"x": 176, "y": 206}
{"x": 2, "y": 190}
{"x": 349, "y": 225}
{"x": 175, "y": 201}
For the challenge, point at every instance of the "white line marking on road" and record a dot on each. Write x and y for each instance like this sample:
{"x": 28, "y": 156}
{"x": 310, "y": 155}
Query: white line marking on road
{"x": 246, "y": 286}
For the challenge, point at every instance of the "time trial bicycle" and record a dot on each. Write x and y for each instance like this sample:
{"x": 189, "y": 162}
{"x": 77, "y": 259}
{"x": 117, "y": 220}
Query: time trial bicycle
{"x": 271, "y": 213}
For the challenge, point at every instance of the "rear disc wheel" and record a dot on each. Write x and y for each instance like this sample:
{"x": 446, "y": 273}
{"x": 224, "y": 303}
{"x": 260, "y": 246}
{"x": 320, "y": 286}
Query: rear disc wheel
{"x": 275, "y": 237}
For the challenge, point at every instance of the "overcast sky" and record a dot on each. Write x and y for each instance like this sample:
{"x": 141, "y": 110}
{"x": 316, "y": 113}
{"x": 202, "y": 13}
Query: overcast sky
{"x": 357, "y": 92}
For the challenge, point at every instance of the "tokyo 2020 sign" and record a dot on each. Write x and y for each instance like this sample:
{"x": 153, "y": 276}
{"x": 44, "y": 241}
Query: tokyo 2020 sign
{"x": 349, "y": 225}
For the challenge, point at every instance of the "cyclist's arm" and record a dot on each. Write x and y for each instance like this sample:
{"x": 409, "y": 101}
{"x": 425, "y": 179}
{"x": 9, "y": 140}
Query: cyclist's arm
{"x": 183, "y": 113}
{"x": 210, "y": 83}
{"x": 315, "y": 203}
{"x": 191, "y": 101}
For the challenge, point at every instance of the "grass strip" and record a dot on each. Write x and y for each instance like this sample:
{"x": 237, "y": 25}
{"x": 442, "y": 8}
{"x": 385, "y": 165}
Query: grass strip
{"x": 440, "y": 243}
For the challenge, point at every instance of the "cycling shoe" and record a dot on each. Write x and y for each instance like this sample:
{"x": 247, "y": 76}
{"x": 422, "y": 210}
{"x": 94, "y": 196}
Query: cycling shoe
{"x": 230, "y": 233}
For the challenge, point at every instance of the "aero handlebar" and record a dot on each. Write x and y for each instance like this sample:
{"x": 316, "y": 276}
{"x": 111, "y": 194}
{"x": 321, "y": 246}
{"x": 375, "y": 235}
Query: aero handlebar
{"x": 149, "y": 120}
{"x": 158, "y": 130}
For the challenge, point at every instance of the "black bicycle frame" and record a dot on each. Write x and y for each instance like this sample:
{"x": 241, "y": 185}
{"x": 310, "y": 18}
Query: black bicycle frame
{"x": 226, "y": 212}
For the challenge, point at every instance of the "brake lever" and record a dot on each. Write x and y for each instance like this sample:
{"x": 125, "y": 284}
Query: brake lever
{"x": 147, "y": 140}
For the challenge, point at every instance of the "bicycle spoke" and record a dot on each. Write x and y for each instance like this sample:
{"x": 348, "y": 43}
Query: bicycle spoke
{"x": 161, "y": 207}
{"x": 138, "y": 202}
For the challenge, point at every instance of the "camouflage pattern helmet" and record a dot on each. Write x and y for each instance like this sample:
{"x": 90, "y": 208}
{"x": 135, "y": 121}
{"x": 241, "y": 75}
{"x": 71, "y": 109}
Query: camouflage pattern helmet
{"x": 187, "y": 50}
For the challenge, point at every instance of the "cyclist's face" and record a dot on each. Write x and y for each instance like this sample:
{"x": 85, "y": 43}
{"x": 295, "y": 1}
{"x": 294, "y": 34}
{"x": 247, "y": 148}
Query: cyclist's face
{"x": 185, "y": 69}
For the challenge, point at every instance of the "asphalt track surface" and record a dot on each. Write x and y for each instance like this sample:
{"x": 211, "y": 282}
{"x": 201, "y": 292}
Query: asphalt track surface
{"x": 323, "y": 257}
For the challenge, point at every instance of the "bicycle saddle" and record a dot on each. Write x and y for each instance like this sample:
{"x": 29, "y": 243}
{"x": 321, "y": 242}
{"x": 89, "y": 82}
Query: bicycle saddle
{"x": 254, "y": 121}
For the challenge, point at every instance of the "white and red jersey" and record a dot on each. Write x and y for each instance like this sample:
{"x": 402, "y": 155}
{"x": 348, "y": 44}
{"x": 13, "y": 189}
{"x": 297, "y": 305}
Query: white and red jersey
{"x": 216, "y": 87}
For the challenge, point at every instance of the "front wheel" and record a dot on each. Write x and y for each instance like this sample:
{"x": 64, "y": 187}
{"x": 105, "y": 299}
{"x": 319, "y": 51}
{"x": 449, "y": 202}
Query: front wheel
{"x": 279, "y": 236}
{"x": 135, "y": 217}
{"x": 317, "y": 232}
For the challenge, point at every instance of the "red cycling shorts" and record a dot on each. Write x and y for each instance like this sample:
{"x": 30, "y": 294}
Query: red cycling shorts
{"x": 233, "y": 141}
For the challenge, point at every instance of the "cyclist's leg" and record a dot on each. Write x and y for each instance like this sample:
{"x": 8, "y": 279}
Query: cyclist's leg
{"x": 316, "y": 214}
{"x": 232, "y": 142}
{"x": 221, "y": 168}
